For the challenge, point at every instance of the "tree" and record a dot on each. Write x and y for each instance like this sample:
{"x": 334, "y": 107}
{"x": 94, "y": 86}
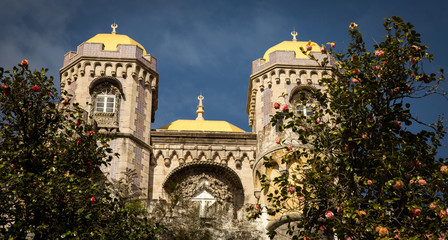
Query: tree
{"x": 183, "y": 220}
{"x": 365, "y": 173}
{"x": 50, "y": 158}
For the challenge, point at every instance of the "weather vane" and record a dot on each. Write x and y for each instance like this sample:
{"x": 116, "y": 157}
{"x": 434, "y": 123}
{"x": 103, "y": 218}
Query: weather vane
{"x": 200, "y": 98}
{"x": 114, "y": 26}
{"x": 294, "y": 34}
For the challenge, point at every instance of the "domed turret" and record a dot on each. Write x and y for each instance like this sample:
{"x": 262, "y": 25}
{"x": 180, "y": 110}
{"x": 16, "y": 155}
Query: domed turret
{"x": 292, "y": 46}
{"x": 112, "y": 40}
{"x": 115, "y": 80}
{"x": 283, "y": 68}
{"x": 287, "y": 77}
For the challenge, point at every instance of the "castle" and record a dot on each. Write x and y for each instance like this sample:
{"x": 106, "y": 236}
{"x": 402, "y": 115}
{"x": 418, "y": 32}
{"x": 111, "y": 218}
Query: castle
{"x": 211, "y": 162}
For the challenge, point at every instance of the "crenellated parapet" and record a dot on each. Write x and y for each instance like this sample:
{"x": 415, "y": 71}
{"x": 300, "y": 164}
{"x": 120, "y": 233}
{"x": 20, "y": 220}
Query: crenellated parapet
{"x": 123, "y": 51}
{"x": 287, "y": 58}
{"x": 92, "y": 61}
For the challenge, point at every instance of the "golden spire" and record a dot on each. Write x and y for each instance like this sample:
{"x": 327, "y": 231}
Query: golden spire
{"x": 200, "y": 111}
{"x": 114, "y": 27}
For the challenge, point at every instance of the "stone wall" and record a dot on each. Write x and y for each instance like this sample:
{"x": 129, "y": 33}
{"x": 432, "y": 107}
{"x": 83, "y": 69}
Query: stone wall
{"x": 227, "y": 156}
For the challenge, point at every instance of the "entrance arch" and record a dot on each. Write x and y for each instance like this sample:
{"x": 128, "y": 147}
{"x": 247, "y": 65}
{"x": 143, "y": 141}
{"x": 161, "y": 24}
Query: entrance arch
{"x": 217, "y": 180}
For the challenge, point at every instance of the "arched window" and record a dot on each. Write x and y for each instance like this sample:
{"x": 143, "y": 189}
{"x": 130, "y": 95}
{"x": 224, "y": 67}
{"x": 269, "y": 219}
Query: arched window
{"x": 105, "y": 97}
{"x": 302, "y": 101}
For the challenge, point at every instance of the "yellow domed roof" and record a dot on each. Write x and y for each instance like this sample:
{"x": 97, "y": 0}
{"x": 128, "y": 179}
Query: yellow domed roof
{"x": 291, "y": 46}
{"x": 202, "y": 125}
{"x": 111, "y": 41}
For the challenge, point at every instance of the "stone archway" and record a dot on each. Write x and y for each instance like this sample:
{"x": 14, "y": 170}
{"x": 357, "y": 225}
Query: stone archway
{"x": 207, "y": 184}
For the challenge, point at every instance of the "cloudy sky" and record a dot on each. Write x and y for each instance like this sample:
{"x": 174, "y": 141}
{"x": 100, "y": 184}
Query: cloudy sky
{"x": 208, "y": 45}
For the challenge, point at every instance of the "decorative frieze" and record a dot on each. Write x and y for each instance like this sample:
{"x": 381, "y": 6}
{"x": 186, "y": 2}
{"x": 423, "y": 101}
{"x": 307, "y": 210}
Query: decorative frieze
{"x": 109, "y": 69}
{"x": 187, "y": 153}
{"x": 275, "y": 78}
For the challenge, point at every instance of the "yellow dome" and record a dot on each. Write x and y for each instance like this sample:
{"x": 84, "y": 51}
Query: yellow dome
{"x": 202, "y": 125}
{"x": 291, "y": 46}
{"x": 111, "y": 41}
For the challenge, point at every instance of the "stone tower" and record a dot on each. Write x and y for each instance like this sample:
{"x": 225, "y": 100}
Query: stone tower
{"x": 115, "y": 80}
{"x": 284, "y": 75}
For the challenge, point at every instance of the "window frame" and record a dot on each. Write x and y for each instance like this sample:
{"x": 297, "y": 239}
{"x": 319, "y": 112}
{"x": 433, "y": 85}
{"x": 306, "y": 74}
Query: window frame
{"x": 105, "y": 96}
{"x": 297, "y": 99}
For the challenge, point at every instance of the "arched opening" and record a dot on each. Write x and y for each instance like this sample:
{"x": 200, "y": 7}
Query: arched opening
{"x": 106, "y": 95}
{"x": 302, "y": 101}
{"x": 209, "y": 186}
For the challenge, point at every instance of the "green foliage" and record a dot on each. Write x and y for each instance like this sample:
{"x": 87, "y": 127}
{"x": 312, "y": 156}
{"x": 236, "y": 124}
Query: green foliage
{"x": 181, "y": 217}
{"x": 50, "y": 158}
{"x": 366, "y": 174}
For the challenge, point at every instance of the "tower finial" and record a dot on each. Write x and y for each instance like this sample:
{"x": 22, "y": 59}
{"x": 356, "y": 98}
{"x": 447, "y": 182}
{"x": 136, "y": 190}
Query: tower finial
{"x": 114, "y": 27}
{"x": 200, "y": 111}
{"x": 294, "y": 34}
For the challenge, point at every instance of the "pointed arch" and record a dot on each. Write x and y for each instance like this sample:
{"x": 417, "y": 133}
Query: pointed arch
{"x": 158, "y": 154}
{"x": 216, "y": 157}
{"x": 202, "y": 155}
{"x": 173, "y": 154}
{"x": 215, "y": 170}
{"x": 188, "y": 156}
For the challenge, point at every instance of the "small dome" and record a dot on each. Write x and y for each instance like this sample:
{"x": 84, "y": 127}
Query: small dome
{"x": 291, "y": 46}
{"x": 202, "y": 125}
{"x": 111, "y": 41}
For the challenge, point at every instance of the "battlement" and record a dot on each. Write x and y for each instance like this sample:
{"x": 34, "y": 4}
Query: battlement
{"x": 287, "y": 58}
{"x": 124, "y": 51}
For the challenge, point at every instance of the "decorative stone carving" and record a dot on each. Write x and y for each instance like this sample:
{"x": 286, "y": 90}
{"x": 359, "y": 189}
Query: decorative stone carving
{"x": 106, "y": 119}
{"x": 196, "y": 184}
{"x": 238, "y": 163}
{"x": 251, "y": 163}
{"x": 108, "y": 130}
{"x": 167, "y": 162}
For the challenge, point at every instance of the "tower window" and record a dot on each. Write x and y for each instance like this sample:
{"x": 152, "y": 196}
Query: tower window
{"x": 105, "y": 98}
{"x": 302, "y": 102}
{"x": 305, "y": 110}
{"x": 105, "y": 103}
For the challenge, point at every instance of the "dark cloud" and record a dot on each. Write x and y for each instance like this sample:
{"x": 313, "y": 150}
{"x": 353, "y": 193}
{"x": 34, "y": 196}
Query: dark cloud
{"x": 206, "y": 45}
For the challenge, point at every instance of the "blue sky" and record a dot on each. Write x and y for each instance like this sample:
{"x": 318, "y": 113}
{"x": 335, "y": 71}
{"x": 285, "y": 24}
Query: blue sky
{"x": 206, "y": 45}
